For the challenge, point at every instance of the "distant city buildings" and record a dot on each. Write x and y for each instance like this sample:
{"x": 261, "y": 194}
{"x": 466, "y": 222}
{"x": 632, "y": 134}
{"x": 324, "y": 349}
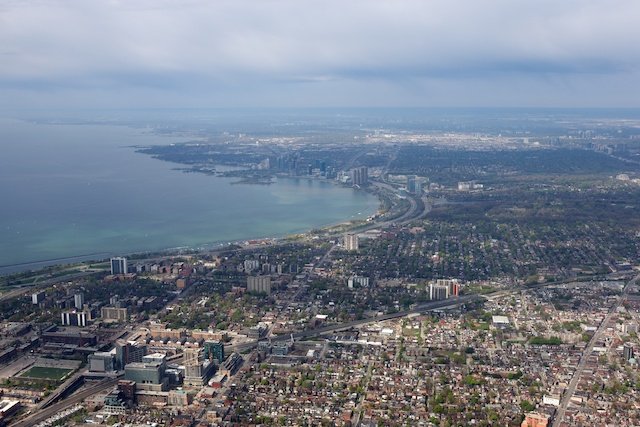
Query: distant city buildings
{"x": 119, "y": 266}
{"x": 251, "y": 265}
{"x": 351, "y": 242}
{"x": 360, "y": 176}
{"x": 411, "y": 183}
{"x": 469, "y": 185}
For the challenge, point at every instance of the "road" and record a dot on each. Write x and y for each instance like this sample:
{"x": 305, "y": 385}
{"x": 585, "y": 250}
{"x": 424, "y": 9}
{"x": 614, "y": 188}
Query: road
{"x": 30, "y": 288}
{"x": 429, "y": 306}
{"x": 59, "y": 391}
{"x": 65, "y": 404}
{"x": 571, "y": 389}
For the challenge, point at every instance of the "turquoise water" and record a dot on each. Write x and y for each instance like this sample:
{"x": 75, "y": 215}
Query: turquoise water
{"x": 76, "y": 190}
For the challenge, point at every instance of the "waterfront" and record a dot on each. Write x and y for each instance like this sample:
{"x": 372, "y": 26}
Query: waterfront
{"x": 76, "y": 190}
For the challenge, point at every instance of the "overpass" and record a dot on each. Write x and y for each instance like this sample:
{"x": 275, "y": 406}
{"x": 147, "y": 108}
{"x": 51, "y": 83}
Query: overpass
{"x": 67, "y": 387}
{"x": 40, "y": 415}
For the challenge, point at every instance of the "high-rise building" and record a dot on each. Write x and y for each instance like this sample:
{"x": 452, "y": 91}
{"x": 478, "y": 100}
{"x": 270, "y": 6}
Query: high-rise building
{"x": 37, "y": 297}
{"x": 196, "y": 371}
{"x": 438, "y": 292}
{"x": 191, "y": 356}
{"x": 129, "y": 352}
{"x": 251, "y": 265}
{"x": 452, "y": 284}
{"x": 259, "y": 284}
{"x": 73, "y": 318}
{"x": 360, "y": 176}
{"x": 360, "y": 281}
{"x": 419, "y": 185}
{"x": 627, "y": 351}
{"x": 78, "y": 300}
{"x": 214, "y": 350}
{"x": 118, "y": 265}
{"x": 351, "y": 242}
{"x": 411, "y": 184}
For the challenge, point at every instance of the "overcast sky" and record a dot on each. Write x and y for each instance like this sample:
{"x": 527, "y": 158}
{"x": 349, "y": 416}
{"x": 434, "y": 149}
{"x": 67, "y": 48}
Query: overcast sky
{"x": 324, "y": 53}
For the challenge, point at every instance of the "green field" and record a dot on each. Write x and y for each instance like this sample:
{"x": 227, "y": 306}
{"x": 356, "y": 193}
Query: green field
{"x": 44, "y": 372}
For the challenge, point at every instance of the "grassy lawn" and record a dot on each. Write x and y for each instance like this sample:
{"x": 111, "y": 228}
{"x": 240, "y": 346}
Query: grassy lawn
{"x": 410, "y": 332}
{"x": 46, "y": 373}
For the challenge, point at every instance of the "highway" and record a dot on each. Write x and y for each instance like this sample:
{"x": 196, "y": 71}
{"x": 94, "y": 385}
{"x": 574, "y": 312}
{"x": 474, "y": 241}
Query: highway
{"x": 30, "y": 288}
{"x": 71, "y": 382}
{"x": 78, "y": 397}
{"x": 429, "y": 306}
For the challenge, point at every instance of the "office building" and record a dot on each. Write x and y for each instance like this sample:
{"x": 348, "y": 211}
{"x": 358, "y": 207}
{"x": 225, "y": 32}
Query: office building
{"x": 155, "y": 358}
{"x": 118, "y": 266}
{"x": 351, "y": 242}
{"x": 129, "y": 352}
{"x": 101, "y": 361}
{"x": 259, "y": 284}
{"x": 214, "y": 350}
{"x": 148, "y": 376}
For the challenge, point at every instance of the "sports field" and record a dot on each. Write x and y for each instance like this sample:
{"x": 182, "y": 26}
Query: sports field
{"x": 45, "y": 372}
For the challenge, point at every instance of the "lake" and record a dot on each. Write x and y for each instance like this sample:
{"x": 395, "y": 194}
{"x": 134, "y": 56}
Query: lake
{"x": 79, "y": 191}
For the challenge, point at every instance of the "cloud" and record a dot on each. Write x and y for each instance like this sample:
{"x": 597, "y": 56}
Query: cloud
{"x": 198, "y": 49}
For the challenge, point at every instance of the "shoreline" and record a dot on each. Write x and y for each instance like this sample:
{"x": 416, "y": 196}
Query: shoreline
{"x": 41, "y": 265}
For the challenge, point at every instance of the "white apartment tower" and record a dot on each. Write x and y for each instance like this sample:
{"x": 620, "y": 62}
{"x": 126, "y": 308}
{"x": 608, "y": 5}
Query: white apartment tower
{"x": 351, "y": 242}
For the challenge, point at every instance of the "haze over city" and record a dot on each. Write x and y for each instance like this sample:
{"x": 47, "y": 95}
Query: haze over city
{"x": 332, "y": 213}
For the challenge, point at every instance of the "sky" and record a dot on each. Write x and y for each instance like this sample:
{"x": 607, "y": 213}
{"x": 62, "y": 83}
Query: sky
{"x": 92, "y": 54}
